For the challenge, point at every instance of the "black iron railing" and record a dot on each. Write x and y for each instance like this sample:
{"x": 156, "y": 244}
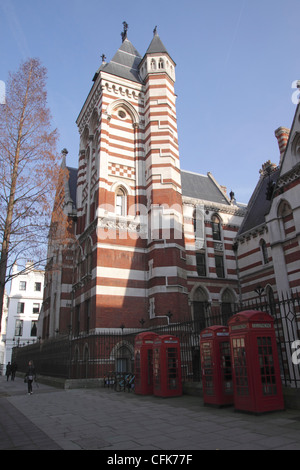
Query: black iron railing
{"x": 107, "y": 353}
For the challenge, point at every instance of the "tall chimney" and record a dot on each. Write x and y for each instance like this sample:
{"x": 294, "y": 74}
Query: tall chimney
{"x": 282, "y": 135}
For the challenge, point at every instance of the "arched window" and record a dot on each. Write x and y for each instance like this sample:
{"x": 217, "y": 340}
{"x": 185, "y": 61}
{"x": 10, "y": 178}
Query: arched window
{"x": 161, "y": 64}
{"x": 264, "y": 251}
{"x": 123, "y": 357}
{"x": 121, "y": 202}
{"x": 285, "y": 214}
{"x": 198, "y": 222}
{"x": 228, "y": 301}
{"x": 153, "y": 64}
{"x": 296, "y": 144}
{"x": 216, "y": 227}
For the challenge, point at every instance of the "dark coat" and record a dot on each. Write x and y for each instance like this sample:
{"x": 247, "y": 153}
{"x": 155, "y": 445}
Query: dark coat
{"x": 31, "y": 372}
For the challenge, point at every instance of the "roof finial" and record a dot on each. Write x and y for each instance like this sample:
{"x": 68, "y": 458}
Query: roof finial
{"x": 155, "y": 31}
{"x": 64, "y": 154}
{"x": 124, "y": 32}
{"x": 103, "y": 57}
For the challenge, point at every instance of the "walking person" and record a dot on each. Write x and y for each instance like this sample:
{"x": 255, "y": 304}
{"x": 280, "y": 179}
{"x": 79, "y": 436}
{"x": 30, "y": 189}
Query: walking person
{"x": 14, "y": 369}
{"x": 8, "y": 371}
{"x": 30, "y": 376}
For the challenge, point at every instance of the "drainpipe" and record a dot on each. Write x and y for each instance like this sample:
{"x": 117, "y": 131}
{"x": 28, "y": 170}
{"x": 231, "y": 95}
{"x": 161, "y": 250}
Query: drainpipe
{"x": 235, "y": 250}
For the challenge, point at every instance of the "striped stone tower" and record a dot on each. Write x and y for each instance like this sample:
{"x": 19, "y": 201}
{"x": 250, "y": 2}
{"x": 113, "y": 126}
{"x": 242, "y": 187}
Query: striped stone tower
{"x": 130, "y": 254}
{"x": 167, "y": 290}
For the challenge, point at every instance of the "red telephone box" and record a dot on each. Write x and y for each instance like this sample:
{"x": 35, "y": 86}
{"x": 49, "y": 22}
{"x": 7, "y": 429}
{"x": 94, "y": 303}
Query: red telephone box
{"x": 255, "y": 364}
{"x": 143, "y": 363}
{"x": 216, "y": 366}
{"x": 167, "y": 366}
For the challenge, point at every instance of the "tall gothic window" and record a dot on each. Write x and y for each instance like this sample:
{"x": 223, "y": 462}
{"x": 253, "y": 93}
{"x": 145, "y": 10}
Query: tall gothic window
{"x": 285, "y": 214}
{"x": 216, "y": 227}
{"x": 219, "y": 260}
{"x": 121, "y": 202}
{"x": 264, "y": 251}
{"x": 153, "y": 64}
{"x": 227, "y": 305}
{"x": 201, "y": 264}
{"x": 161, "y": 64}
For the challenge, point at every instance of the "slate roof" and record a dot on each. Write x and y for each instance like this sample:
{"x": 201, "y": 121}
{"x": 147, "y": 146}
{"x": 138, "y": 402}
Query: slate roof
{"x": 193, "y": 185}
{"x": 156, "y": 46}
{"x": 124, "y": 63}
{"x": 201, "y": 187}
{"x": 258, "y": 205}
{"x": 73, "y": 184}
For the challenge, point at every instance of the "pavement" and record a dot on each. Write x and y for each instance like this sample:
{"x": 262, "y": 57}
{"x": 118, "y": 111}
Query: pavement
{"x": 106, "y": 420}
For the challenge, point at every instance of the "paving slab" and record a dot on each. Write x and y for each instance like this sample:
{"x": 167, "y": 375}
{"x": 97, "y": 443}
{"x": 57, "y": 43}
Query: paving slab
{"x": 102, "y": 419}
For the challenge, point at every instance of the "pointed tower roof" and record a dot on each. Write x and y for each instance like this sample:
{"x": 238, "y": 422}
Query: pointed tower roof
{"x": 124, "y": 63}
{"x": 156, "y": 46}
{"x": 71, "y": 183}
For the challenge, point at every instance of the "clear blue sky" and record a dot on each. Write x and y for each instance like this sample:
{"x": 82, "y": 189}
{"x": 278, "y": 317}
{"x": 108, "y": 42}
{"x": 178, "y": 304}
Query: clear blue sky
{"x": 236, "y": 62}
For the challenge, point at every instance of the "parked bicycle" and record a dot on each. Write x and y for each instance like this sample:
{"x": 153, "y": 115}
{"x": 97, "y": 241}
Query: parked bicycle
{"x": 124, "y": 382}
{"x": 109, "y": 380}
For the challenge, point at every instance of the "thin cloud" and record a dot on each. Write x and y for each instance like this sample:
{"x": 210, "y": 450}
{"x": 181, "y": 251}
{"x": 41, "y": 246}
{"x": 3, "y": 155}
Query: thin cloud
{"x": 16, "y": 29}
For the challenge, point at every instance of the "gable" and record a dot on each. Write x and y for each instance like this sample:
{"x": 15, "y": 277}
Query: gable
{"x": 291, "y": 157}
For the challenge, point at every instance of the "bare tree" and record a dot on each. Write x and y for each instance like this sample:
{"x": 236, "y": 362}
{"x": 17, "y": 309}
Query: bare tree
{"x": 29, "y": 170}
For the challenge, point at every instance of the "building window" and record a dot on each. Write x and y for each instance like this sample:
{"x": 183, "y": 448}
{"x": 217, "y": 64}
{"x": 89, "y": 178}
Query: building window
{"x": 264, "y": 251}
{"x": 120, "y": 202}
{"x": 152, "y": 307}
{"x": 19, "y": 328}
{"x": 37, "y": 286}
{"x": 161, "y": 64}
{"x": 79, "y": 269}
{"x": 36, "y": 308}
{"x": 216, "y": 227}
{"x": 77, "y": 320}
{"x": 201, "y": 264}
{"x": 88, "y": 256}
{"x": 200, "y": 309}
{"x": 33, "y": 330}
{"x": 286, "y": 221}
{"x": 22, "y": 285}
{"x": 219, "y": 266}
{"x": 87, "y": 314}
{"x": 122, "y": 114}
{"x": 227, "y": 305}
{"x": 20, "y": 307}
{"x": 198, "y": 223}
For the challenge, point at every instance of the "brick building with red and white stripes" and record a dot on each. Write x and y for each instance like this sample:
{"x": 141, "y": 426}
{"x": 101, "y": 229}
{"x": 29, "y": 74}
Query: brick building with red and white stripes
{"x": 153, "y": 243}
{"x": 268, "y": 240}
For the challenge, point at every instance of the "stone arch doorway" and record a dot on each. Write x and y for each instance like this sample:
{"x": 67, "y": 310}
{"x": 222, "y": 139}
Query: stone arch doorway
{"x": 228, "y": 300}
{"x": 200, "y": 308}
{"x": 123, "y": 356}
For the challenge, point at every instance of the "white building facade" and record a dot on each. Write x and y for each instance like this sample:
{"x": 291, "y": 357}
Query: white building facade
{"x": 3, "y": 332}
{"x": 24, "y": 305}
